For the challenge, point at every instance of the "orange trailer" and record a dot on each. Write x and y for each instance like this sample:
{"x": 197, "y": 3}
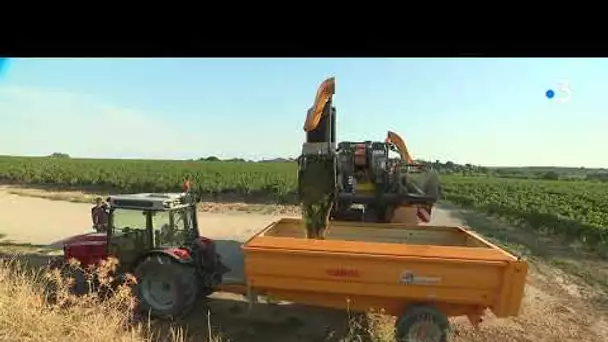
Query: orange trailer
{"x": 415, "y": 273}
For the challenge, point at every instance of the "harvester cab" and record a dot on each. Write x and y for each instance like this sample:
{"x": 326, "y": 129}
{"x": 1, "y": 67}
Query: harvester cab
{"x": 371, "y": 182}
{"x": 156, "y": 238}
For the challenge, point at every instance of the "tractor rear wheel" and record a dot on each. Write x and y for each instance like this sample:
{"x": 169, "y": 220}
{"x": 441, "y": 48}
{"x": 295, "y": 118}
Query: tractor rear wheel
{"x": 165, "y": 288}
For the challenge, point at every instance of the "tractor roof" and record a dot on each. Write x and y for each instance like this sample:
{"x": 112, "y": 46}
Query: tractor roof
{"x": 151, "y": 201}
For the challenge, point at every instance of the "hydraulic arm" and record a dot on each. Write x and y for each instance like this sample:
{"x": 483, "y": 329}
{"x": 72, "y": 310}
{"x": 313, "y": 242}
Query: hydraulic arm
{"x": 394, "y": 138}
{"x": 318, "y": 110}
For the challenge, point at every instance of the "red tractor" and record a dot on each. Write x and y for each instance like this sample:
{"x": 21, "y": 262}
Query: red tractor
{"x": 155, "y": 237}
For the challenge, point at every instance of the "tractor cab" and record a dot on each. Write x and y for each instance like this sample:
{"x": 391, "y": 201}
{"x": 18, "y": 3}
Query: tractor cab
{"x": 149, "y": 221}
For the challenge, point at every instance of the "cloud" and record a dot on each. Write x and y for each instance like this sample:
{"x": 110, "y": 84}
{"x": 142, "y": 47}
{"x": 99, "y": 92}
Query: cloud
{"x": 39, "y": 122}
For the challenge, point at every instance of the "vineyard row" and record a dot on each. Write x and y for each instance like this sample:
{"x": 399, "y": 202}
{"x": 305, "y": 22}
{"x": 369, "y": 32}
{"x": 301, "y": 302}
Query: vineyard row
{"x": 575, "y": 209}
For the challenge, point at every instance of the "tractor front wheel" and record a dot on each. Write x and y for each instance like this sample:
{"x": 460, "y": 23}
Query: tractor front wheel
{"x": 165, "y": 288}
{"x": 82, "y": 282}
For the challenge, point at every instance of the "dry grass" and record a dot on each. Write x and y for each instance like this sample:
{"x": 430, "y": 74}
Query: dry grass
{"x": 370, "y": 327}
{"x": 30, "y": 311}
{"x": 36, "y": 305}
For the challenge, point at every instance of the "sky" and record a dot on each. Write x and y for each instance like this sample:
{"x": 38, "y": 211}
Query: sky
{"x": 491, "y": 112}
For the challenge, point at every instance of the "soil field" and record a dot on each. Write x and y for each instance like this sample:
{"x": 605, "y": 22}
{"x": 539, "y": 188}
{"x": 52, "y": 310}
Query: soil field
{"x": 566, "y": 297}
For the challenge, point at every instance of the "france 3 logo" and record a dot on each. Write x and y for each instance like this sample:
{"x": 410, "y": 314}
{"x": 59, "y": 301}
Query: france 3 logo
{"x": 562, "y": 93}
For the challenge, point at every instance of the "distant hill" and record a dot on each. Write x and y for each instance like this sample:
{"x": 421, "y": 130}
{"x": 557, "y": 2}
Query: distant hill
{"x": 559, "y": 169}
{"x": 552, "y": 172}
{"x": 278, "y": 160}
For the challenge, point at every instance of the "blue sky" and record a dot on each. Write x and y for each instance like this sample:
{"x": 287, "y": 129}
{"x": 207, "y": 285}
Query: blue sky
{"x": 483, "y": 111}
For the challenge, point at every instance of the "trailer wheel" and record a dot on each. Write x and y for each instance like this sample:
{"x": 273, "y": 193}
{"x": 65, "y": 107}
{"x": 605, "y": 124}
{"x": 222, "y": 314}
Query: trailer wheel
{"x": 165, "y": 288}
{"x": 422, "y": 323}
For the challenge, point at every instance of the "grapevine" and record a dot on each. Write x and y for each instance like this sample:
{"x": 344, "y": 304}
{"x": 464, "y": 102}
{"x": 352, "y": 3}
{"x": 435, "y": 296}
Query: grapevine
{"x": 127, "y": 176}
{"x": 577, "y": 209}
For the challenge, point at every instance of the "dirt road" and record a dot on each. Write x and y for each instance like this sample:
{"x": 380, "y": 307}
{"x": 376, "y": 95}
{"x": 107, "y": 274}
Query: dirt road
{"x": 43, "y": 222}
{"x": 566, "y": 298}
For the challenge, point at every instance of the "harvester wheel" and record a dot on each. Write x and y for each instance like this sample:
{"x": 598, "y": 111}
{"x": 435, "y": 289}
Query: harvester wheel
{"x": 165, "y": 288}
{"x": 422, "y": 323}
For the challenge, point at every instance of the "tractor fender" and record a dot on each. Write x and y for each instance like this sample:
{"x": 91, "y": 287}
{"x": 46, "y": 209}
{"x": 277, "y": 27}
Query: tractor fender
{"x": 179, "y": 255}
